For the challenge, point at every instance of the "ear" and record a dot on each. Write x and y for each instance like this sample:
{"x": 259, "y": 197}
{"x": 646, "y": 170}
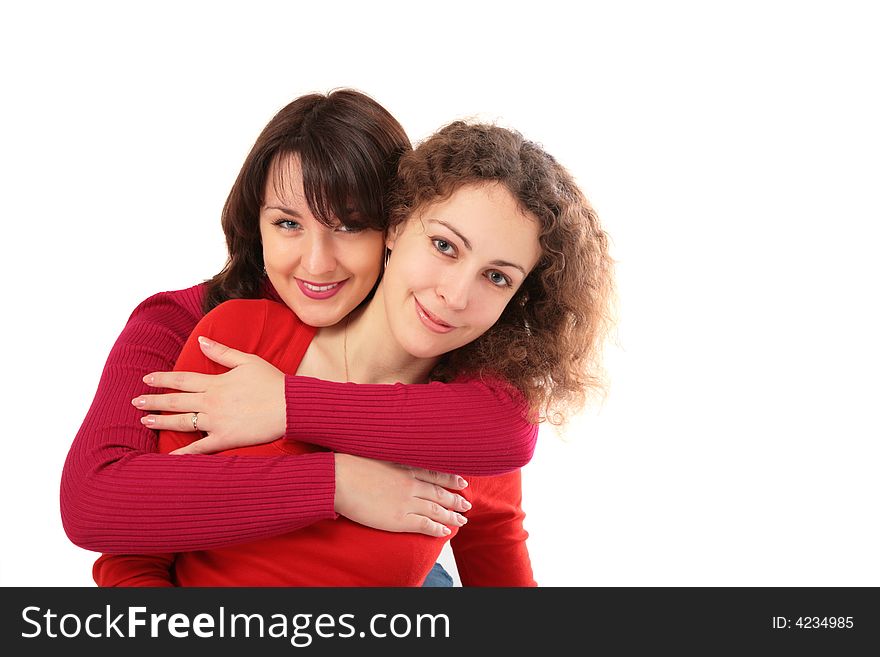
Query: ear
{"x": 392, "y": 234}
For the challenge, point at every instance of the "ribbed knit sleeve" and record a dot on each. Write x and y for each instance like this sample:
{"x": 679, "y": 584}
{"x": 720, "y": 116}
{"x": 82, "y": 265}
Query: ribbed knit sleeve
{"x": 467, "y": 427}
{"x": 119, "y": 495}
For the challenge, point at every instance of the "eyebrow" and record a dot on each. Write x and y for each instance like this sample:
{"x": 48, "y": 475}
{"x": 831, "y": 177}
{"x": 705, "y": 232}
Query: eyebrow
{"x": 467, "y": 244}
{"x": 289, "y": 211}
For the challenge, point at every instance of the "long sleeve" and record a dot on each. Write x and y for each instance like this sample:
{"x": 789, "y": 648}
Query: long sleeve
{"x": 490, "y": 550}
{"x": 468, "y": 427}
{"x": 119, "y": 495}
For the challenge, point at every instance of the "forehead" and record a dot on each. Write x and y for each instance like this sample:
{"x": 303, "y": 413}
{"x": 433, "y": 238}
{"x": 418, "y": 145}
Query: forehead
{"x": 492, "y": 221}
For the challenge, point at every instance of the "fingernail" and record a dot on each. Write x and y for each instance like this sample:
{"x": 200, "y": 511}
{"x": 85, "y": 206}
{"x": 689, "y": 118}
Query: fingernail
{"x": 461, "y": 519}
{"x": 462, "y": 482}
{"x": 140, "y": 402}
{"x": 446, "y": 531}
{"x": 148, "y": 378}
{"x": 205, "y": 342}
{"x": 149, "y": 421}
{"x": 466, "y": 505}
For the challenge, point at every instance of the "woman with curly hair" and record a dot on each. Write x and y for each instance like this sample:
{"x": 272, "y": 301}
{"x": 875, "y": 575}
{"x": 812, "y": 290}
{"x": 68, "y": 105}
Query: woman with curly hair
{"x": 498, "y": 269}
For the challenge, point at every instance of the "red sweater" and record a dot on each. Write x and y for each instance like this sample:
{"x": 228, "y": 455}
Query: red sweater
{"x": 119, "y": 495}
{"x": 331, "y": 552}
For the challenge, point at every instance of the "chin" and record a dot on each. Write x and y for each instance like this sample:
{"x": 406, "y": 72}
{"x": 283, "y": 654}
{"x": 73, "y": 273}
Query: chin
{"x": 318, "y": 317}
{"x": 318, "y": 321}
{"x": 418, "y": 349}
{"x": 322, "y": 319}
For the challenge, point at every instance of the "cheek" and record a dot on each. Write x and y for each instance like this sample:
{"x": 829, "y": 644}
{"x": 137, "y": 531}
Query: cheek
{"x": 365, "y": 256}
{"x": 275, "y": 256}
{"x": 487, "y": 310}
{"x": 418, "y": 271}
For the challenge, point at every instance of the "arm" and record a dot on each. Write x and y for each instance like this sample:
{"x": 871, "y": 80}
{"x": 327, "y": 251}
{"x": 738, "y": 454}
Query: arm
{"x": 490, "y": 550}
{"x": 472, "y": 427}
{"x": 119, "y": 495}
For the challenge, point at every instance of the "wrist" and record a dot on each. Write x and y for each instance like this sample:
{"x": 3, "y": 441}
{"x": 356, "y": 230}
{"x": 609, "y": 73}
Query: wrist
{"x": 284, "y": 410}
{"x": 340, "y": 462}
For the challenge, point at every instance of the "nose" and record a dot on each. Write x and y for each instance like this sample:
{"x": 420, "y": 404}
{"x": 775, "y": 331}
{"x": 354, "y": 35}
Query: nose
{"x": 320, "y": 257}
{"x": 454, "y": 289}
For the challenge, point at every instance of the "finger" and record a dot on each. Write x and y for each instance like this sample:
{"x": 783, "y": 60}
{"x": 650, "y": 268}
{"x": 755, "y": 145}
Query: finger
{"x": 178, "y": 422}
{"x": 207, "y": 445}
{"x": 175, "y": 402}
{"x": 418, "y": 524}
{"x": 438, "y": 494}
{"x": 182, "y": 381}
{"x": 437, "y": 513}
{"x": 220, "y": 353}
{"x": 440, "y": 478}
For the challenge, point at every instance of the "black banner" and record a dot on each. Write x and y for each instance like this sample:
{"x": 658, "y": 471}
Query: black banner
{"x": 838, "y": 621}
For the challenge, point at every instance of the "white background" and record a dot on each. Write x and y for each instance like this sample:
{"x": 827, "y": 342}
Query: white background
{"x": 733, "y": 155}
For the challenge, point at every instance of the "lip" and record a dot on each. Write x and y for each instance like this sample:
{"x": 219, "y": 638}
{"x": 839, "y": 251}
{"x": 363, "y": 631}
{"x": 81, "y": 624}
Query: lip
{"x": 431, "y": 321}
{"x": 320, "y": 291}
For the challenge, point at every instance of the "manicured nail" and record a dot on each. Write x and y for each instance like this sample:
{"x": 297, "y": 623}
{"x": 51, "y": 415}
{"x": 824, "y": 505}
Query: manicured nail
{"x": 462, "y": 482}
{"x": 205, "y": 342}
{"x": 149, "y": 378}
{"x": 461, "y": 519}
{"x": 446, "y": 531}
{"x": 149, "y": 421}
{"x": 140, "y": 402}
{"x": 466, "y": 504}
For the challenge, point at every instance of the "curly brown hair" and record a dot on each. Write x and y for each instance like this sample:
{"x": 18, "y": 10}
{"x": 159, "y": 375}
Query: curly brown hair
{"x": 548, "y": 341}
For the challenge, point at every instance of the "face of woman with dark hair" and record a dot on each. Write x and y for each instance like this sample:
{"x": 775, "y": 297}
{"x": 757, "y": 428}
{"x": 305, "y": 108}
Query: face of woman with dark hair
{"x": 454, "y": 266}
{"x": 320, "y": 273}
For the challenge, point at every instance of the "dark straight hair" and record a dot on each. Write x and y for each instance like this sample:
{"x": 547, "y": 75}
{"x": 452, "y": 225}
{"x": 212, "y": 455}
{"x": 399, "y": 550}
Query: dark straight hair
{"x": 349, "y": 147}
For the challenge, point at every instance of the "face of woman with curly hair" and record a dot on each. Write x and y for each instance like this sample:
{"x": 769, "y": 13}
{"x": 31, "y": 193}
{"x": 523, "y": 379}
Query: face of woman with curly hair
{"x": 455, "y": 265}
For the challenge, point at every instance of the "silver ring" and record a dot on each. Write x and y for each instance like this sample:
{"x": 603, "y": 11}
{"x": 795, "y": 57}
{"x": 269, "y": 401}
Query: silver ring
{"x": 195, "y": 421}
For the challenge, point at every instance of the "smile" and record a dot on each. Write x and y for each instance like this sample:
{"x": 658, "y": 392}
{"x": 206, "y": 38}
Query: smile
{"x": 319, "y": 290}
{"x": 431, "y": 321}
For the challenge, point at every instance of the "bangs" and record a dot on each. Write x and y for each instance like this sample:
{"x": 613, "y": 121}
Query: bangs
{"x": 341, "y": 189}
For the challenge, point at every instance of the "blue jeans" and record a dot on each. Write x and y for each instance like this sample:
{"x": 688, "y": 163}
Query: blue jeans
{"x": 438, "y": 577}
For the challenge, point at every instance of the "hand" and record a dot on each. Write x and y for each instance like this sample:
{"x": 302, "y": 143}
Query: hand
{"x": 242, "y": 407}
{"x": 398, "y": 498}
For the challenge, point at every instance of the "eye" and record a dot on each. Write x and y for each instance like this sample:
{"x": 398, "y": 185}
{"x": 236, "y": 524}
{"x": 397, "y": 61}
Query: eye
{"x": 498, "y": 279}
{"x": 443, "y": 246}
{"x": 287, "y": 224}
{"x": 342, "y": 228}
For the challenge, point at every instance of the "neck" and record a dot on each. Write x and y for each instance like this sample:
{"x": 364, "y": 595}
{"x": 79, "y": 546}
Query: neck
{"x": 374, "y": 356}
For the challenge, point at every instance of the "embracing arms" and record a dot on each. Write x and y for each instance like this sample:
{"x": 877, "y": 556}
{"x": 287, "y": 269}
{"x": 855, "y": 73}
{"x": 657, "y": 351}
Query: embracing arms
{"x": 119, "y": 495}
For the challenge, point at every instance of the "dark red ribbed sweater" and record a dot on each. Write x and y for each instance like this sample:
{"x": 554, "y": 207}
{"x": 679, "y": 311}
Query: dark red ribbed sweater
{"x": 119, "y": 495}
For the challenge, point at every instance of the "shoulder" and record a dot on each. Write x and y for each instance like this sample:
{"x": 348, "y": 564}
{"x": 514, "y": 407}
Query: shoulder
{"x": 185, "y": 304}
{"x": 255, "y": 311}
{"x": 252, "y": 322}
{"x": 164, "y": 317}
